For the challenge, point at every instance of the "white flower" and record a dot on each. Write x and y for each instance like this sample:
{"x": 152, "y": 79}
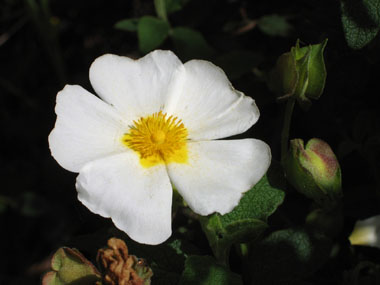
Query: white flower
{"x": 366, "y": 232}
{"x": 154, "y": 125}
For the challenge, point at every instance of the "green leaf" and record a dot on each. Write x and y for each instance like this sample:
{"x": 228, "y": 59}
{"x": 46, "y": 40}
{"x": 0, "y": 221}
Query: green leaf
{"x": 286, "y": 256}
{"x": 274, "y": 25}
{"x": 204, "y": 270}
{"x": 152, "y": 32}
{"x": 166, "y": 7}
{"x": 361, "y": 21}
{"x": 166, "y": 260}
{"x": 175, "y": 5}
{"x": 129, "y": 25}
{"x": 248, "y": 220}
{"x": 160, "y": 6}
{"x": 239, "y": 62}
{"x": 190, "y": 43}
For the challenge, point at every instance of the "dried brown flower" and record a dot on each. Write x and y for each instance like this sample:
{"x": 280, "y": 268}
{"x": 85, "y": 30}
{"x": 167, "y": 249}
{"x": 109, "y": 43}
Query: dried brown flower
{"x": 121, "y": 268}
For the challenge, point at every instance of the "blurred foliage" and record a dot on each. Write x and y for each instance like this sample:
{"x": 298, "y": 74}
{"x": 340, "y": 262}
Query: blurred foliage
{"x": 46, "y": 44}
{"x": 361, "y": 21}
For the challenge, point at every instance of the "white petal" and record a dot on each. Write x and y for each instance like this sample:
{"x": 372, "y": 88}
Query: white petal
{"x": 86, "y": 129}
{"x": 203, "y": 97}
{"x": 135, "y": 87}
{"x": 366, "y": 232}
{"x": 137, "y": 199}
{"x": 219, "y": 172}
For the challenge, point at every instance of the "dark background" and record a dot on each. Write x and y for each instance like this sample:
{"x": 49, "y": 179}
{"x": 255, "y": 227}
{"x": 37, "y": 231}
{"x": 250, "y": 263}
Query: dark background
{"x": 39, "y": 54}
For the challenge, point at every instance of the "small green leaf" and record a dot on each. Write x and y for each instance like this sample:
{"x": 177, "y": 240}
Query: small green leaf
{"x": 175, "y": 5}
{"x": 239, "y": 62}
{"x": 190, "y": 43}
{"x": 166, "y": 7}
{"x": 361, "y": 21}
{"x": 204, "y": 270}
{"x": 160, "y": 6}
{"x": 129, "y": 25}
{"x": 152, "y": 32}
{"x": 248, "y": 220}
{"x": 274, "y": 25}
{"x": 286, "y": 256}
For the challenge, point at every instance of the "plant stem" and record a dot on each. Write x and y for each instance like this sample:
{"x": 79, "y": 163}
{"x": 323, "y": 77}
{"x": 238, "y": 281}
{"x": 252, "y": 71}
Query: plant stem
{"x": 286, "y": 127}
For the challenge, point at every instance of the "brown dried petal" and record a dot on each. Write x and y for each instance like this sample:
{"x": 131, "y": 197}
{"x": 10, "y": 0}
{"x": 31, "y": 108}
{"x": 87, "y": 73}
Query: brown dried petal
{"x": 117, "y": 264}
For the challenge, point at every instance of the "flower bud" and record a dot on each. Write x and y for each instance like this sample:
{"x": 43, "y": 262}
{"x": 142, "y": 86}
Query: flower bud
{"x": 300, "y": 73}
{"x": 70, "y": 266}
{"x": 314, "y": 171}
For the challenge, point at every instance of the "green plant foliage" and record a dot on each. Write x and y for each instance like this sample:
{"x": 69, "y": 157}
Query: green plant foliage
{"x": 274, "y": 25}
{"x": 190, "y": 43}
{"x": 166, "y": 7}
{"x": 166, "y": 260}
{"x": 238, "y": 62}
{"x": 152, "y": 32}
{"x": 288, "y": 255}
{"x": 248, "y": 220}
{"x": 204, "y": 270}
{"x": 129, "y": 25}
{"x": 361, "y": 21}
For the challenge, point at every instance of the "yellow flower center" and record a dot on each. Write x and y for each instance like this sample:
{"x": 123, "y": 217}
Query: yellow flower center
{"x": 158, "y": 139}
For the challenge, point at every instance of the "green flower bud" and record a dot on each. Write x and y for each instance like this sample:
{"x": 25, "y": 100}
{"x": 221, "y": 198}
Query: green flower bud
{"x": 300, "y": 73}
{"x": 314, "y": 171}
{"x": 70, "y": 266}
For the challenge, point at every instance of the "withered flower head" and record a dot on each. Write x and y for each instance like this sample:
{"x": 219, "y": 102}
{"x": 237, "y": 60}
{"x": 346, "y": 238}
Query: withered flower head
{"x": 121, "y": 268}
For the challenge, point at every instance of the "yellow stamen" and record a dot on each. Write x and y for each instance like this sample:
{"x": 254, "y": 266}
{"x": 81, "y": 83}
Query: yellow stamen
{"x": 158, "y": 139}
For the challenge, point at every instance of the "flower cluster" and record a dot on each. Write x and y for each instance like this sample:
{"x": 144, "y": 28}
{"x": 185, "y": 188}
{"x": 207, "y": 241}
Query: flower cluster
{"x": 157, "y": 124}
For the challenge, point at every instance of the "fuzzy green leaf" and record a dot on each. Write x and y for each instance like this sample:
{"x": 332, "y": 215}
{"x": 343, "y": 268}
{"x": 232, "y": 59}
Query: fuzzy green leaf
{"x": 204, "y": 270}
{"x": 152, "y": 32}
{"x": 361, "y": 21}
{"x": 248, "y": 220}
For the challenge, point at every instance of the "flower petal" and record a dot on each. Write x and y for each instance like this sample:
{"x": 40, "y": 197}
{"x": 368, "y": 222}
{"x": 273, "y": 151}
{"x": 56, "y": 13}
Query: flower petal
{"x": 86, "y": 129}
{"x": 203, "y": 97}
{"x": 135, "y": 87}
{"x": 137, "y": 199}
{"x": 219, "y": 172}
